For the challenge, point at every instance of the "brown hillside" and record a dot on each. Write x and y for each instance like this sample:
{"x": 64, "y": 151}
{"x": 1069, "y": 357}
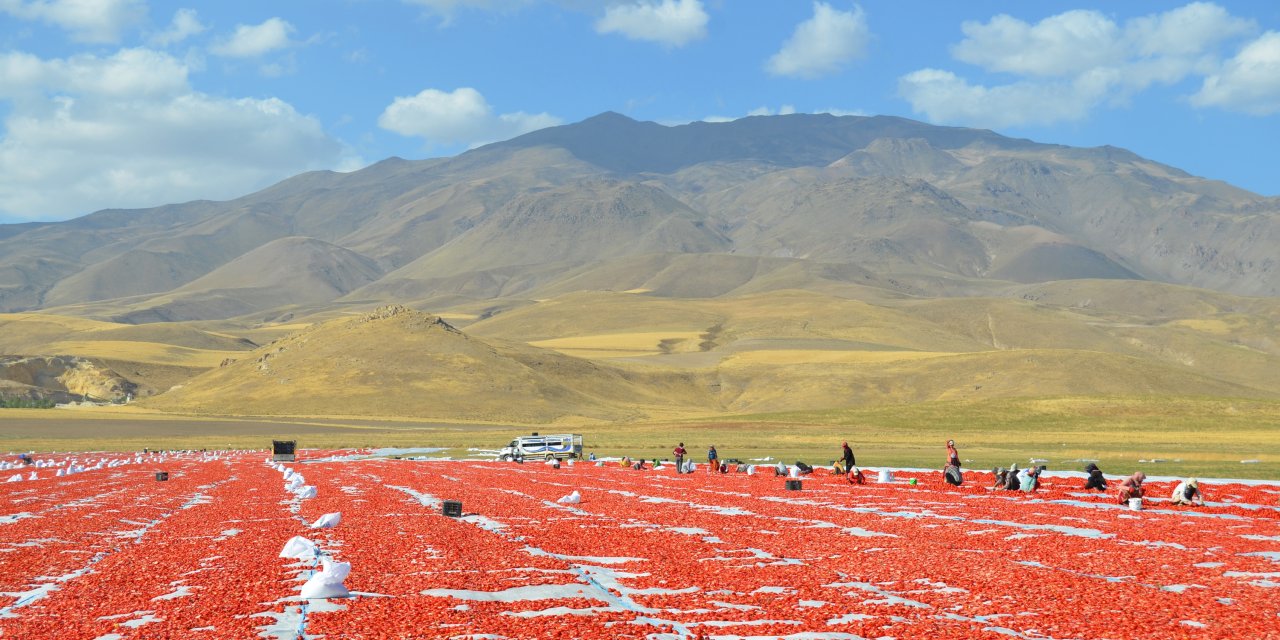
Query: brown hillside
{"x": 397, "y": 362}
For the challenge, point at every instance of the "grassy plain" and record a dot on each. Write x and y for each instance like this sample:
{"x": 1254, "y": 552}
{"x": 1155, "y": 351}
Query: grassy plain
{"x": 1188, "y": 436}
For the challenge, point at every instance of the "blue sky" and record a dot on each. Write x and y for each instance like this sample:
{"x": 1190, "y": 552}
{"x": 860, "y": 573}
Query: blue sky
{"x": 130, "y": 103}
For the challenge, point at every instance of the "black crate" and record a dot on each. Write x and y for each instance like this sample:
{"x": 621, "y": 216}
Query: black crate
{"x": 453, "y": 508}
{"x": 283, "y": 450}
{"x": 793, "y": 485}
{"x": 161, "y": 476}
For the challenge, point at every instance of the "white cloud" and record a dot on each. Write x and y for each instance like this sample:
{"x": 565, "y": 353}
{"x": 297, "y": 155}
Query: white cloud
{"x": 823, "y": 44}
{"x": 843, "y": 112}
{"x": 94, "y": 21}
{"x": 1069, "y": 64}
{"x": 184, "y": 25}
{"x": 945, "y": 97}
{"x": 672, "y": 23}
{"x": 251, "y": 41}
{"x": 459, "y": 117}
{"x": 1249, "y": 82}
{"x": 447, "y": 9}
{"x": 27, "y": 79}
{"x": 1060, "y": 45}
{"x": 1186, "y": 31}
{"x": 87, "y": 132}
{"x": 784, "y": 110}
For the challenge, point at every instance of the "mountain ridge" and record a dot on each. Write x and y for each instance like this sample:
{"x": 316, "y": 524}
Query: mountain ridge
{"x": 951, "y": 210}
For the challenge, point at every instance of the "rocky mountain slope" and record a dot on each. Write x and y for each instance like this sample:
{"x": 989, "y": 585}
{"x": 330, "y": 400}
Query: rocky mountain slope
{"x": 845, "y": 201}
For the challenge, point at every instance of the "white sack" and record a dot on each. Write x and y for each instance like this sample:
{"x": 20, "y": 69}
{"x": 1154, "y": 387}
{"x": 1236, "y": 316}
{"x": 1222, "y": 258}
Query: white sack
{"x": 298, "y": 547}
{"x": 573, "y": 498}
{"x": 327, "y": 583}
{"x": 303, "y": 493}
{"x": 327, "y": 521}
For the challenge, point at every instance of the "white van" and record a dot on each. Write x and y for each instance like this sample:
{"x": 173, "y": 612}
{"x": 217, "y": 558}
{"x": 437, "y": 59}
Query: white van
{"x": 560, "y": 446}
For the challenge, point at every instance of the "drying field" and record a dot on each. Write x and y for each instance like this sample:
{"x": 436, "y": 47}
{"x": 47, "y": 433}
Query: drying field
{"x": 112, "y": 553}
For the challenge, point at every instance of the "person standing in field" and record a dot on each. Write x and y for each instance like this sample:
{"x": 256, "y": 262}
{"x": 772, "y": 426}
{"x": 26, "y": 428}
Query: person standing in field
{"x": 713, "y": 458}
{"x": 848, "y": 457}
{"x": 953, "y": 456}
{"x": 679, "y": 452}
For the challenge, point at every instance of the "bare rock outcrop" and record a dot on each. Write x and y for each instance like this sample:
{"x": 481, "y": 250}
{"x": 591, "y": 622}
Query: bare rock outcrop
{"x": 62, "y": 378}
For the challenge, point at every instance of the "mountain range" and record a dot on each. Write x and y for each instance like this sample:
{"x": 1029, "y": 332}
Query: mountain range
{"x": 884, "y": 201}
{"x": 613, "y": 270}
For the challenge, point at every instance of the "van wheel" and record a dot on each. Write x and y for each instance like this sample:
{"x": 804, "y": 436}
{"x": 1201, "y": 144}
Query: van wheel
{"x": 550, "y": 457}
{"x": 504, "y": 458}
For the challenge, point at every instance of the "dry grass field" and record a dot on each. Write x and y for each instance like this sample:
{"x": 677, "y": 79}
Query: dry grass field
{"x": 1118, "y": 372}
{"x": 1160, "y": 435}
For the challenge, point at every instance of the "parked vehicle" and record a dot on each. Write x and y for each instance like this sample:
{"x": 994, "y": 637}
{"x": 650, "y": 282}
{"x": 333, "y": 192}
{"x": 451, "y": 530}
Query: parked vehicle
{"x": 552, "y": 447}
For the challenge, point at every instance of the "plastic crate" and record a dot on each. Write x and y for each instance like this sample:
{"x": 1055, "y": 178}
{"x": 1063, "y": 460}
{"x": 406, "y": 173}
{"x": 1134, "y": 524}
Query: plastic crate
{"x": 453, "y": 508}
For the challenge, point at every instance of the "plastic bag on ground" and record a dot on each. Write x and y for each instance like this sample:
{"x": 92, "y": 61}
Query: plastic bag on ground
{"x": 573, "y": 498}
{"x": 298, "y": 547}
{"x": 327, "y": 583}
{"x": 328, "y": 521}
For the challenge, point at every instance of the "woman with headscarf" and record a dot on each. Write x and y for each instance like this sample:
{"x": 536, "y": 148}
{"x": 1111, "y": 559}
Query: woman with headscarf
{"x": 1131, "y": 487}
{"x": 1096, "y": 480}
{"x": 849, "y": 463}
{"x": 1012, "y": 481}
{"x": 953, "y": 456}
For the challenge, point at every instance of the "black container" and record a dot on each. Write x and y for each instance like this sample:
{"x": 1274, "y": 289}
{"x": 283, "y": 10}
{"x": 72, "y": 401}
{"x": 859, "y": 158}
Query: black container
{"x": 793, "y": 485}
{"x": 283, "y": 450}
{"x": 453, "y": 508}
{"x": 161, "y": 476}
